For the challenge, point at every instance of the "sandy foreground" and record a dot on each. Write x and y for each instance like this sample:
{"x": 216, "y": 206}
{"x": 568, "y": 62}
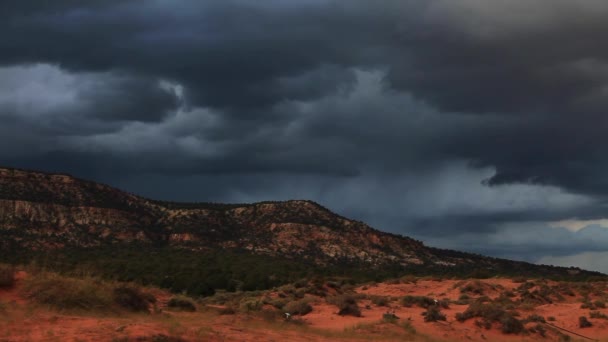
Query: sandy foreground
{"x": 21, "y": 320}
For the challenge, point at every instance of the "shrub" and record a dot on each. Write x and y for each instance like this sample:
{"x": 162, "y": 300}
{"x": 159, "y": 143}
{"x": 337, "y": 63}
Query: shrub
{"x": 380, "y": 300}
{"x": 535, "y": 318}
{"x": 389, "y": 317}
{"x": 600, "y": 304}
{"x": 7, "y": 276}
{"x": 511, "y": 325}
{"x": 490, "y": 313}
{"x": 132, "y": 298}
{"x": 551, "y": 319}
{"x": 433, "y": 314}
{"x": 346, "y": 304}
{"x": 181, "y": 303}
{"x": 597, "y": 314}
{"x": 587, "y": 305}
{"x": 525, "y": 286}
{"x": 421, "y": 301}
{"x": 250, "y": 304}
{"x": 583, "y": 322}
{"x": 68, "y": 293}
{"x": 299, "y": 307}
{"x": 464, "y": 299}
{"x": 475, "y": 287}
{"x": 483, "y": 324}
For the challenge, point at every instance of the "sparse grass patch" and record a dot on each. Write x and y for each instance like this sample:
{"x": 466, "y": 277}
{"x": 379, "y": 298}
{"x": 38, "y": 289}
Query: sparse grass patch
{"x": 278, "y": 303}
{"x": 407, "y": 325}
{"x": 227, "y": 311}
{"x": 297, "y": 321}
{"x": 538, "y": 328}
{"x": 271, "y": 315}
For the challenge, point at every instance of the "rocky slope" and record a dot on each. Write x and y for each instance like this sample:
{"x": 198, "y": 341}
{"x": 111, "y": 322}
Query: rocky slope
{"x": 49, "y": 211}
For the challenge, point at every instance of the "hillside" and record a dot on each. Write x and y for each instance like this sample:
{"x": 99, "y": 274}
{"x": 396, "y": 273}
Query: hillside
{"x": 49, "y": 213}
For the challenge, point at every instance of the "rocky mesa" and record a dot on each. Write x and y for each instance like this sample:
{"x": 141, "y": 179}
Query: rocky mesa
{"x": 41, "y": 211}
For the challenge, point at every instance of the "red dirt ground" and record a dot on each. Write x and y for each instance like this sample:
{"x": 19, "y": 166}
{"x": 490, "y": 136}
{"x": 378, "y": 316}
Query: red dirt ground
{"x": 23, "y": 321}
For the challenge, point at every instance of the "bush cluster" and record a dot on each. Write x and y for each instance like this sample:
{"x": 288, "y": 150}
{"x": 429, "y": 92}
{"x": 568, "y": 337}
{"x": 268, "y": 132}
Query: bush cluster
{"x": 433, "y": 314}
{"x": 423, "y": 302}
{"x": 299, "y": 307}
{"x": 491, "y": 313}
{"x": 380, "y": 300}
{"x": 132, "y": 298}
{"x": 181, "y": 303}
{"x": 68, "y": 293}
{"x": 583, "y": 322}
{"x": 7, "y": 276}
{"x": 347, "y": 305}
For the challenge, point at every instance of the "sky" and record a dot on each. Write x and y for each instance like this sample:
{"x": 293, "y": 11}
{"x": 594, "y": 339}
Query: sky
{"x": 478, "y": 125}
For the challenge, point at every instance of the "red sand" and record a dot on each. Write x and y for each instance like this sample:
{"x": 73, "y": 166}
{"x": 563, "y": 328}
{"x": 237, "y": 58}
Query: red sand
{"x": 22, "y": 321}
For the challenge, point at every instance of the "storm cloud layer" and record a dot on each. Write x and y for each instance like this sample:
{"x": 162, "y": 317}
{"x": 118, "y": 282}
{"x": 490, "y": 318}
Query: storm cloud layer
{"x": 471, "y": 124}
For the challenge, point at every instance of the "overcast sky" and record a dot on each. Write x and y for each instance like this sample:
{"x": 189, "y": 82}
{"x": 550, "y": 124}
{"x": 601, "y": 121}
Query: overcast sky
{"x": 478, "y": 125}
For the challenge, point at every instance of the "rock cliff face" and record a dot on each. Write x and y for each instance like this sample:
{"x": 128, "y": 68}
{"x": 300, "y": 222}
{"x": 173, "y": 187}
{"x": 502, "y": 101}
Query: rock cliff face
{"x": 49, "y": 211}
{"x": 39, "y": 210}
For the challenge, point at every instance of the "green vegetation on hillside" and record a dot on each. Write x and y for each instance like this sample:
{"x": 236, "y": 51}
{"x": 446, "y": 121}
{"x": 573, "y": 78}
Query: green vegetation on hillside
{"x": 201, "y": 273}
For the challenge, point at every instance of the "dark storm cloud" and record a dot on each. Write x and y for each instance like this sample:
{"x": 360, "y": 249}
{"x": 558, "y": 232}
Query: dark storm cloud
{"x": 228, "y": 53}
{"x": 536, "y": 62}
{"x": 393, "y": 112}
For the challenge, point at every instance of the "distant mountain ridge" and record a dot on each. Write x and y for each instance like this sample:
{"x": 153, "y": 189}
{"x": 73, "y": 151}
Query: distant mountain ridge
{"x": 44, "y": 211}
